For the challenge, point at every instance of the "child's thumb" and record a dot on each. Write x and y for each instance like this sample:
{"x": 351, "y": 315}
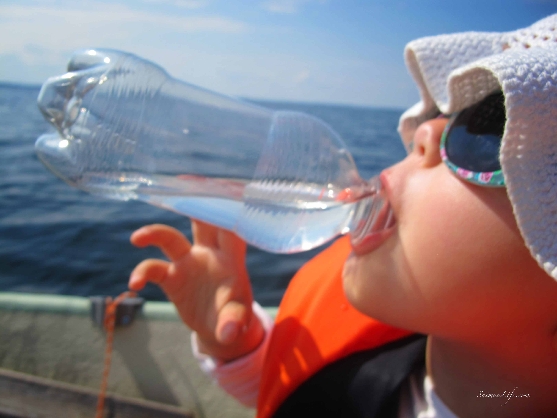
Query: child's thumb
{"x": 231, "y": 322}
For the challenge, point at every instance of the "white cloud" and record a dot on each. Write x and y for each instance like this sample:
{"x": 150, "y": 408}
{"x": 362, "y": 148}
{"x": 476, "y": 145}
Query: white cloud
{"x": 57, "y": 28}
{"x": 184, "y": 4}
{"x": 287, "y": 6}
{"x": 282, "y": 6}
{"x": 36, "y": 42}
{"x": 301, "y": 76}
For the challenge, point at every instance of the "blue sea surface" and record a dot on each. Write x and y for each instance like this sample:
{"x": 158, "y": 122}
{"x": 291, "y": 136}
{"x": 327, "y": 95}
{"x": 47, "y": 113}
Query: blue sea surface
{"x": 59, "y": 240}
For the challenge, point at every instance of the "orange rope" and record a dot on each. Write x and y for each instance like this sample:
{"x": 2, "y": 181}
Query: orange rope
{"x": 109, "y": 322}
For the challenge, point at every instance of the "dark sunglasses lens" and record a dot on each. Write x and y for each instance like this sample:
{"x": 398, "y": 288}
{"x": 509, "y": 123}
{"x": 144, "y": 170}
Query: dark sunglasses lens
{"x": 474, "y": 137}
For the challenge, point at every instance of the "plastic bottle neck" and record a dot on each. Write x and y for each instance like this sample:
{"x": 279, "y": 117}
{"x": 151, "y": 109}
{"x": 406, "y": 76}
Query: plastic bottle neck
{"x": 373, "y": 213}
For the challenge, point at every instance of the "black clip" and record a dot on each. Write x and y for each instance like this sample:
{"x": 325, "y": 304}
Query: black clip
{"x": 125, "y": 311}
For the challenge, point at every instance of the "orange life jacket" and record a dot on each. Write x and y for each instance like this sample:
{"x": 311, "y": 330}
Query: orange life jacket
{"x": 315, "y": 326}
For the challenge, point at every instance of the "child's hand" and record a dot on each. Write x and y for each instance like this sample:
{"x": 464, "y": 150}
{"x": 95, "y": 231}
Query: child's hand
{"x": 207, "y": 282}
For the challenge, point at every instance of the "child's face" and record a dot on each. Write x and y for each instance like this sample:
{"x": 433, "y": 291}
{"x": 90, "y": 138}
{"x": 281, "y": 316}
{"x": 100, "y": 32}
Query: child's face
{"x": 455, "y": 256}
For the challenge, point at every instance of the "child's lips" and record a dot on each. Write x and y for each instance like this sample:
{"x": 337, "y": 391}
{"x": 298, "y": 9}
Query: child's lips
{"x": 386, "y": 219}
{"x": 374, "y": 240}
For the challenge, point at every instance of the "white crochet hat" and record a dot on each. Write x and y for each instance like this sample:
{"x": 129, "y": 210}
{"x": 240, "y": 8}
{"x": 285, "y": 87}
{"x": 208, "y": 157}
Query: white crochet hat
{"x": 456, "y": 71}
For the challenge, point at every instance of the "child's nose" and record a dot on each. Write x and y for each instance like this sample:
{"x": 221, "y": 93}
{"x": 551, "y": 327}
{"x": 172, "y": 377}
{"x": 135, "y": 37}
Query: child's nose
{"x": 426, "y": 141}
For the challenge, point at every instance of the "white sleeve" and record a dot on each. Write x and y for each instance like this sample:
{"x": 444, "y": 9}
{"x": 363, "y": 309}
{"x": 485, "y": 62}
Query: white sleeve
{"x": 240, "y": 377}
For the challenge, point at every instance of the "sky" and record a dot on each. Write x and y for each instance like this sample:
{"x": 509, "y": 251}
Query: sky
{"x": 316, "y": 51}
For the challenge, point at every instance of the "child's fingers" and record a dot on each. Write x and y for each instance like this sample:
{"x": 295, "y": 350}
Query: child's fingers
{"x": 204, "y": 234}
{"x": 231, "y": 243}
{"x": 215, "y": 237}
{"x": 171, "y": 241}
{"x": 151, "y": 270}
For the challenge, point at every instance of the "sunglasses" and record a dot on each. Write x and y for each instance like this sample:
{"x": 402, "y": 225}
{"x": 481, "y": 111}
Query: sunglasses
{"x": 472, "y": 139}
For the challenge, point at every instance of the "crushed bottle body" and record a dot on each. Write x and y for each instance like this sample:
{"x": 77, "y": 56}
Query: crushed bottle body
{"x": 282, "y": 180}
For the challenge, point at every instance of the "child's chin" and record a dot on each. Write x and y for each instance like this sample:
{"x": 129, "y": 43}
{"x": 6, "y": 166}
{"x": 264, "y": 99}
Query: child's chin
{"x": 371, "y": 291}
{"x": 353, "y": 281}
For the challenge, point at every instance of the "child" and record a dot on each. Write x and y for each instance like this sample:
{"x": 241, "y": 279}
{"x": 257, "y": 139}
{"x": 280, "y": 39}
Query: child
{"x": 471, "y": 261}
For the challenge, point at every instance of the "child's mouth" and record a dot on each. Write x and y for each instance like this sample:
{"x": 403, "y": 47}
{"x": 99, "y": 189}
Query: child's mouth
{"x": 373, "y": 240}
{"x": 381, "y": 226}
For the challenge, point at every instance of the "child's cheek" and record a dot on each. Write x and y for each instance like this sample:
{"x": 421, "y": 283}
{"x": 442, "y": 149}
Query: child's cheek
{"x": 436, "y": 221}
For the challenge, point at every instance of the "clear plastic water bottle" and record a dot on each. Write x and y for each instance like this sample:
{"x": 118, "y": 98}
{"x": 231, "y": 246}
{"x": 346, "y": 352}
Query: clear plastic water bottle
{"x": 284, "y": 181}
